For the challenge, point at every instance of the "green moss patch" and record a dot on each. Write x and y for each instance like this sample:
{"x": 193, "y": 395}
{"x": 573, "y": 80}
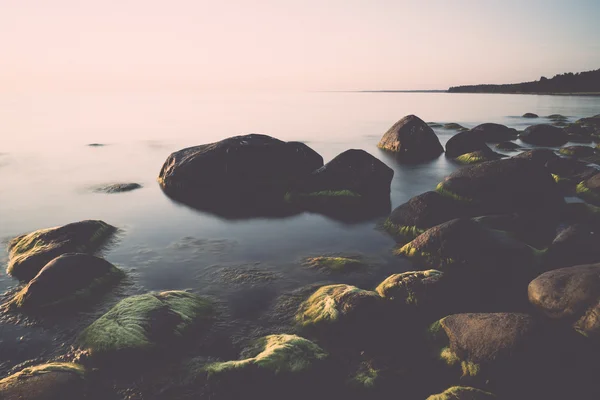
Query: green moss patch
{"x": 462, "y": 392}
{"x": 43, "y": 369}
{"x": 441, "y": 189}
{"x": 335, "y": 264}
{"x": 407, "y": 232}
{"x": 586, "y": 193}
{"x": 277, "y": 354}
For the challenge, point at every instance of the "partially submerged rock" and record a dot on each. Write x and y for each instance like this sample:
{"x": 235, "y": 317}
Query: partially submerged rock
{"x": 454, "y": 126}
{"x": 139, "y": 326}
{"x": 484, "y": 344}
{"x": 530, "y": 115}
{"x": 462, "y": 393}
{"x": 538, "y": 156}
{"x": 491, "y": 132}
{"x": 52, "y": 381}
{"x": 29, "y": 253}
{"x": 510, "y": 185}
{"x": 507, "y": 146}
{"x": 412, "y": 140}
{"x": 117, "y": 188}
{"x": 576, "y": 244}
{"x": 589, "y": 189}
{"x": 465, "y": 142}
{"x": 577, "y": 151}
{"x": 572, "y": 295}
{"x": 479, "y": 156}
{"x": 247, "y": 171}
{"x": 68, "y": 278}
{"x": 335, "y": 264}
{"x": 422, "y": 212}
{"x": 544, "y": 135}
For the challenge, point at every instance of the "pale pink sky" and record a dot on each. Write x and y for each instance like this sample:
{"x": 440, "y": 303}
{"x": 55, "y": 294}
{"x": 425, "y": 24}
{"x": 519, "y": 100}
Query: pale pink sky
{"x": 307, "y": 45}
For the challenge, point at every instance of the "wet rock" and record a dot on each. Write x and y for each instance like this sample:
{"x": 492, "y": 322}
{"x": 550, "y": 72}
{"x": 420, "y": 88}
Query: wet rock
{"x": 571, "y": 295}
{"x": 421, "y": 213}
{"x": 117, "y": 188}
{"x": 504, "y": 186}
{"x": 419, "y": 290}
{"x": 568, "y": 172}
{"x": 334, "y": 308}
{"x": 577, "y": 138}
{"x": 577, "y": 151}
{"x": 462, "y": 393}
{"x": 479, "y": 156}
{"x": 434, "y": 125}
{"x": 544, "y": 135}
{"x": 335, "y": 264}
{"x": 589, "y": 189}
{"x": 454, "y": 126}
{"x": 140, "y": 326}
{"x": 538, "y": 156}
{"x": 485, "y": 345}
{"x": 52, "y": 381}
{"x": 412, "y": 140}
{"x": 591, "y": 123}
{"x": 490, "y": 132}
{"x": 250, "y": 172}
{"x": 557, "y": 117}
{"x": 535, "y": 230}
{"x": 465, "y": 142}
{"x": 574, "y": 245}
{"x": 530, "y": 115}
{"x": 29, "y": 253}
{"x": 507, "y": 146}
{"x": 68, "y": 278}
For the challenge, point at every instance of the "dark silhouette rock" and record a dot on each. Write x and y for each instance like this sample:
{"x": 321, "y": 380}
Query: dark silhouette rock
{"x": 465, "y": 142}
{"x": 544, "y": 135}
{"x": 570, "y": 295}
{"x": 538, "y": 156}
{"x": 530, "y": 115}
{"x": 507, "y": 146}
{"x": 412, "y": 140}
{"x": 491, "y": 132}
{"x": 29, "y": 253}
{"x": 242, "y": 172}
{"x": 577, "y": 151}
{"x": 589, "y": 189}
{"x": 117, "y": 188}
{"x": 455, "y": 127}
{"x": 479, "y": 156}
{"x": 574, "y": 245}
{"x": 68, "y": 278}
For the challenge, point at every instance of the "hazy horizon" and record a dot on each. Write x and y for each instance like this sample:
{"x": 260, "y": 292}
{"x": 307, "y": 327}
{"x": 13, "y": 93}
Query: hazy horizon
{"x": 288, "y": 45}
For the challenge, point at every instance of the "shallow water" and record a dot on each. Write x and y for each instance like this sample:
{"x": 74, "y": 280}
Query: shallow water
{"x": 49, "y": 173}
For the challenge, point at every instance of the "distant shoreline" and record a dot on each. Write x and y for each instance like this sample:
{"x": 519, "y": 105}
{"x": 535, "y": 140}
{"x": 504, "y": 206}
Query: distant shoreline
{"x": 475, "y": 92}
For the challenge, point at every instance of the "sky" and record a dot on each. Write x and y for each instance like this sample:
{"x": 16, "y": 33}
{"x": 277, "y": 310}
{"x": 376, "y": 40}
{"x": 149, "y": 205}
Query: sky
{"x": 285, "y": 44}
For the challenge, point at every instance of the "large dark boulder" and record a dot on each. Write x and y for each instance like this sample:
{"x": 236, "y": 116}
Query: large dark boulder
{"x": 508, "y": 146}
{"x": 29, "y": 253}
{"x": 68, "y": 278}
{"x": 574, "y": 245}
{"x": 52, "y": 381}
{"x": 465, "y": 142}
{"x": 504, "y": 186}
{"x": 423, "y": 212}
{"x": 353, "y": 182}
{"x": 589, "y": 189}
{"x": 491, "y": 132}
{"x": 571, "y": 295}
{"x": 544, "y": 135}
{"x": 239, "y": 172}
{"x": 479, "y": 156}
{"x": 412, "y": 139}
{"x": 577, "y": 151}
{"x": 539, "y": 156}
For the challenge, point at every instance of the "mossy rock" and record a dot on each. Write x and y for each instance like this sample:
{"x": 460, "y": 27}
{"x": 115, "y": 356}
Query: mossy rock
{"x": 336, "y": 307}
{"x": 68, "y": 278}
{"x": 141, "y": 325}
{"x": 412, "y": 140}
{"x": 464, "y": 143}
{"x": 589, "y": 189}
{"x": 507, "y": 146}
{"x": 117, "y": 188}
{"x": 415, "y": 289}
{"x": 577, "y": 151}
{"x": 335, "y": 264}
{"x": 484, "y": 346}
{"x": 571, "y": 295}
{"x": 530, "y": 115}
{"x": 504, "y": 186}
{"x": 29, "y": 253}
{"x": 52, "y": 381}
{"x": 422, "y": 212}
{"x": 478, "y": 157}
{"x": 462, "y": 393}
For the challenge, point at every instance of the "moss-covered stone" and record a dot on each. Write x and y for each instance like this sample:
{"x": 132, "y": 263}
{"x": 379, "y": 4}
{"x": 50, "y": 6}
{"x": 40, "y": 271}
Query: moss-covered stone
{"x": 577, "y": 151}
{"x": 142, "y": 324}
{"x": 478, "y": 157}
{"x": 29, "y": 253}
{"x": 68, "y": 278}
{"x": 335, "y": 305}
{"x": 462, "y": 393}
{"x": 45, "y": 382}
{"x": 413, "y": 289}
{"x": 365, "y": 377}
{"x": 335, "y": 264}
{"x": 589, "y": 189}
{"x": 276, "y": 354}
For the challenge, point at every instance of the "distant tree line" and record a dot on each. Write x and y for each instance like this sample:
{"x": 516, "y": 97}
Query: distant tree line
{"x": 582, "y": 82}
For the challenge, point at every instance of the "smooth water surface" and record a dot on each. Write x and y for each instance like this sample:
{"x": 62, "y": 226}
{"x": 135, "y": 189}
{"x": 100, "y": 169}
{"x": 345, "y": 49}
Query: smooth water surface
{"x": 48, "y": 173}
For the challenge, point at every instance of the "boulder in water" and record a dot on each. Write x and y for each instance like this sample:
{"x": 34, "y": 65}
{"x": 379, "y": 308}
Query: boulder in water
{"x": 491, "y": 132}
{"x": 117, "y": 188}
{"x": 464, "y": 143}
{"x": 544, "y": 135}
{"x": 412, "y": 140}
{"x": 530, "y": 115}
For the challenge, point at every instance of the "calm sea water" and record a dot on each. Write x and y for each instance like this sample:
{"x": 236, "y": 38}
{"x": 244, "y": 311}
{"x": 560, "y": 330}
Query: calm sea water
{"x": 47, "y": 173}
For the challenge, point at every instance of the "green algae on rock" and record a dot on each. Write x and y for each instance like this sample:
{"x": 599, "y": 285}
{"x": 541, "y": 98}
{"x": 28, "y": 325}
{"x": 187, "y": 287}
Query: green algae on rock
{"x": 335, "y": 264}
{"x": 411, "y": 288}
{"x": 45, "y": 382}
{"x": 334, "y": 304}
{"x": 589, "y": 189}
{"x": 478, "y": 157}
{"x": 68, "y": 278}
{"x": 276, "y": 354}
{"x": 462, "y": 393}
{"x": 144, "y": 323}
{"x": 577, "y": 151}
{"x": 29, "y": 253}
